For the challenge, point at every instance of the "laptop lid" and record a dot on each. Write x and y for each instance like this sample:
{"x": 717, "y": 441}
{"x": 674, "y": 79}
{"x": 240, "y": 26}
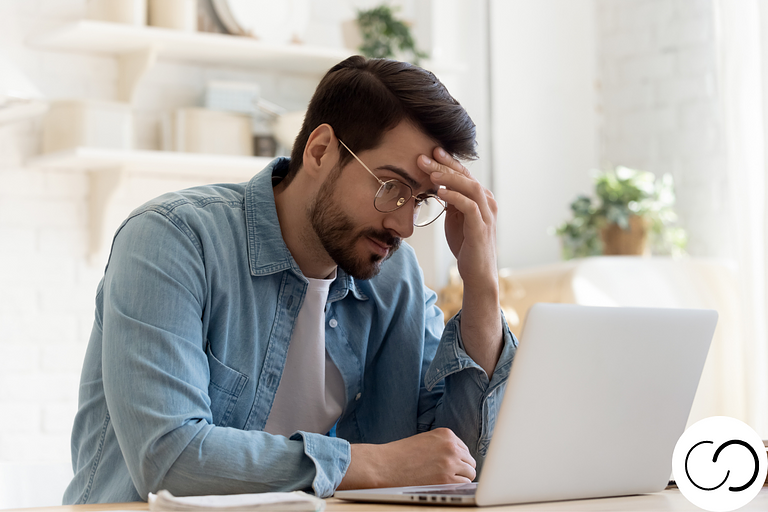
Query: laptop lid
{"x": 595, "y": 402}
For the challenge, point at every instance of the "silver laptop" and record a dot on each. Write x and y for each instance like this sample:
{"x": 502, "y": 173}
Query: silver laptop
{"x": 596, "y": 400}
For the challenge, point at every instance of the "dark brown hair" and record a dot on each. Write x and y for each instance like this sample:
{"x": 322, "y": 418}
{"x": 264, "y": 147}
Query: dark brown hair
{"x": 364, "y": 98}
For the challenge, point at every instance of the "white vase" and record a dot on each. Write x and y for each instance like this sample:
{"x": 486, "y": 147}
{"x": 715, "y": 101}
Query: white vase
{"x": 132, "y": 12}
{"x": 175, "y": 14}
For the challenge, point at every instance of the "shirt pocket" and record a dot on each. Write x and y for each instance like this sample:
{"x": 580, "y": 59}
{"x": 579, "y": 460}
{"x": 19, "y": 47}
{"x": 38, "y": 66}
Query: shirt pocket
{"x": 224, "y": 388}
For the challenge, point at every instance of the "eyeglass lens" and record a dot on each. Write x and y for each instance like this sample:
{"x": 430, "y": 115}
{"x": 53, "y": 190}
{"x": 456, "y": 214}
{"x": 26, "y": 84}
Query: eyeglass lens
{"x": 394, "y": 194}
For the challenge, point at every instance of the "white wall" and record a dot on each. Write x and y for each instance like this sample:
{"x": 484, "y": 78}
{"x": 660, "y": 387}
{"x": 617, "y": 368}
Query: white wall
{"x": 544, "y": 120}
{"x": 661, "y": 108}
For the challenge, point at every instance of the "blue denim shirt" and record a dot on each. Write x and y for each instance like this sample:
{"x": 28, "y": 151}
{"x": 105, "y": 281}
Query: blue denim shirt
{"x": 193, "y": 320}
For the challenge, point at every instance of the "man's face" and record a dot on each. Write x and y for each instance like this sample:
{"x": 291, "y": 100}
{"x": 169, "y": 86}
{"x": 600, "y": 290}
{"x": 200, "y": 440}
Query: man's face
{"x": 355, "y": 235}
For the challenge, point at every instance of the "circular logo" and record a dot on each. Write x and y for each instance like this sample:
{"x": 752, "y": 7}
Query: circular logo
{"x": 719, "y": 464}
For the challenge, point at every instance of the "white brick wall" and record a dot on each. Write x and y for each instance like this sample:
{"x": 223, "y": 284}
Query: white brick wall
{"x": 660, "y": 107}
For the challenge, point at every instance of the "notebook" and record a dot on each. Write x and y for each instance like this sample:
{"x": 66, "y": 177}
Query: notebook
{"x": 595, "y": 402}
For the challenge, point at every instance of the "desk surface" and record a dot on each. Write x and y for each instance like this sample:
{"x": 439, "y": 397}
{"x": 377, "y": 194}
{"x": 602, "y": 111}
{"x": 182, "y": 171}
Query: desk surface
{"x": 670, "y": 500}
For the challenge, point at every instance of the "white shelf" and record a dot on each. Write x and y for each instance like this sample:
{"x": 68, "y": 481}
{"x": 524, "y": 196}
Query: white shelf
{"x": 138, "y": 48}
{"x": 220, "y": 49}
{"x": 190, "y": 165}
{"x": 109, "y": 172}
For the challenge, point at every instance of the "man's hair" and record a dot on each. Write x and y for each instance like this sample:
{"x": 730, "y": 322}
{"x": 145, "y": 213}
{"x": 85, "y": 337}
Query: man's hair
{"x": 363, "y": 98}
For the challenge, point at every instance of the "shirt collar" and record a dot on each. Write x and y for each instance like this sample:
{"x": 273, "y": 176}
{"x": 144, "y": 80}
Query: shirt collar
{"x": 267, "y": 252}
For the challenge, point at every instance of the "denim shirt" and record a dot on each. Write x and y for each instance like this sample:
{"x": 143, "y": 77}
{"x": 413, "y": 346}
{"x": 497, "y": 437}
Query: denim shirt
{"x": 192, "y": 324}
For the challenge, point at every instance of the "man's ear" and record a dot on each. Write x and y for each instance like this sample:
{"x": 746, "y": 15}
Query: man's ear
{"x": 321, "y": 153}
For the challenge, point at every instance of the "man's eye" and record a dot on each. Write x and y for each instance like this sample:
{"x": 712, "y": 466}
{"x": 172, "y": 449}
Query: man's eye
{"x": 390, "y": 186}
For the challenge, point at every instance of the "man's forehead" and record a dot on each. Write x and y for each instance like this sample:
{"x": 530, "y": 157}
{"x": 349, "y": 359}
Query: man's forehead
{"x": 399, "y": 150}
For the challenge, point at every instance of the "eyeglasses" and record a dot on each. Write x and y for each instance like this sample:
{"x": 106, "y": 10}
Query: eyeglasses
{"x": 393, "y": 194}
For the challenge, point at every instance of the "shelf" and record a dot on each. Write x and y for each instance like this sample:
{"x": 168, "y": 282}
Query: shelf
{"x": 167, "y": 163}
{"x": 202, "y": 47}
{"x": 112, "y": 197}
{"x": 137, "y": 49}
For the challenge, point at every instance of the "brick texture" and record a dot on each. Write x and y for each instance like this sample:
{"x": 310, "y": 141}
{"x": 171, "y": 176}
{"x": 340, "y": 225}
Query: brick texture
{"x": 659, "y": 104}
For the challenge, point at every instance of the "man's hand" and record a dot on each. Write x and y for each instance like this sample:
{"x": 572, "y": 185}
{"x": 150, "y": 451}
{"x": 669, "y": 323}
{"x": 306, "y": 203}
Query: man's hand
{"x": 470, "y": 223}
{"x": 434, "y": 457}
{"x": 470, "y": 229}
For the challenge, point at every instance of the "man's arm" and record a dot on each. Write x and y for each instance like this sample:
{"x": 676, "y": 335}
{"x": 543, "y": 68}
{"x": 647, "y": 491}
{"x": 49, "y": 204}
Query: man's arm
{"x": 470, "y": 229}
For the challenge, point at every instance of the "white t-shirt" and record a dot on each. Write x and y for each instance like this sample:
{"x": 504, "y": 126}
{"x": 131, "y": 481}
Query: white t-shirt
{"x": 311, "y": 393}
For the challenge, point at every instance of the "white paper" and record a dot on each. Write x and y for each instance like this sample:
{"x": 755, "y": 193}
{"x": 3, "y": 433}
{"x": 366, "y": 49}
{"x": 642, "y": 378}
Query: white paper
{"x": 273, "y": 501}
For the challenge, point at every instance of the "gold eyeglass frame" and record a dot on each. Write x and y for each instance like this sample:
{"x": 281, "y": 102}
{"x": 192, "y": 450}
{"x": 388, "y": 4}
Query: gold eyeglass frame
{"x": 402, "y": 200}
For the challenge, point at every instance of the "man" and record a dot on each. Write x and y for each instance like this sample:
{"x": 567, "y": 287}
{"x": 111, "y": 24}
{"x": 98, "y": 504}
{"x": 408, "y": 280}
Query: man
{"x": 270, "y": 336}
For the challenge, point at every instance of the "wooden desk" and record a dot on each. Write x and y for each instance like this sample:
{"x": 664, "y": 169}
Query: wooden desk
{"x": 668, "y": 501}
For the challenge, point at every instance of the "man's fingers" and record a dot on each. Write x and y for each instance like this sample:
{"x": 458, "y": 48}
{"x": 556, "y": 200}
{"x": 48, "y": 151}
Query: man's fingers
{"x": 470, "y": 209}
{"x": 451, "y": 175}
{"x": 467, "y": 471}
{"x": 442, "y": 163}
{"x": 442, "y": 157}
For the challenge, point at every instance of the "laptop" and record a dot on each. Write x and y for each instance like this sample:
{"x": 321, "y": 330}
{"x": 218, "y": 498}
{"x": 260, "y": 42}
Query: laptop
{"x": 595, "y": 403}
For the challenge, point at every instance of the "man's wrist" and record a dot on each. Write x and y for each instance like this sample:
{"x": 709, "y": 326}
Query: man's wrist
{"x": 361, "y": 473}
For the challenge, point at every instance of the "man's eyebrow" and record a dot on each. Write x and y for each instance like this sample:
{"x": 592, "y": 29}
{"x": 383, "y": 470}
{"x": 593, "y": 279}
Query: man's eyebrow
{"x": 415, "y": 185}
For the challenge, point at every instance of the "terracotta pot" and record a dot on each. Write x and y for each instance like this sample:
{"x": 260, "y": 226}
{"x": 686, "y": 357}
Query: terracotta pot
{"x": 632, "y": 241}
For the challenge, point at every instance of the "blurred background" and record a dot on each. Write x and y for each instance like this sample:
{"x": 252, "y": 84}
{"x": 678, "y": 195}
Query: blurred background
{"x": 105, "y": 104}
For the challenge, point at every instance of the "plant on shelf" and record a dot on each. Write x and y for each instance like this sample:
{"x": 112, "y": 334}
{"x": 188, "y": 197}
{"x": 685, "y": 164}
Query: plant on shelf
{"x": 384, "y": 36}
{"x": 633, "y": 214}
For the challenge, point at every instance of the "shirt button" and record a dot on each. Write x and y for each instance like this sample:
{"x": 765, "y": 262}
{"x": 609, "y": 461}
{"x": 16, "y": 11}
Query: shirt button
{"x": 333, "y": 323}
{"x": 357, "y": 396}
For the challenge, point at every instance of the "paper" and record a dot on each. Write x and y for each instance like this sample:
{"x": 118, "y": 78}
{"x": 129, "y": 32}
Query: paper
{"x": 262, "y": 502}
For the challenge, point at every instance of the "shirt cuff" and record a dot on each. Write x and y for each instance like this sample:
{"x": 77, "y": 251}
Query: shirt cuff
{"x": 331, "y": 457}
{"x": 451, "y": 357}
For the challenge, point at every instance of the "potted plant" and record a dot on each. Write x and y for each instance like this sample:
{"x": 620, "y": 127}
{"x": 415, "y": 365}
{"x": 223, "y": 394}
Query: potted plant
{"x": 633, "y": 213}
{"x": 376, "y": 33}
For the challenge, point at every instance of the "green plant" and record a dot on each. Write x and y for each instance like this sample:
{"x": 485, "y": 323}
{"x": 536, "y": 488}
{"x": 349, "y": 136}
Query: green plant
{"x": 384, "y": 35}
{"x": 622, "y": 193}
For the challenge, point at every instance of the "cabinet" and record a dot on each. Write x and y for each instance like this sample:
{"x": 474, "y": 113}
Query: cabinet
{"x": 137, "y": 49}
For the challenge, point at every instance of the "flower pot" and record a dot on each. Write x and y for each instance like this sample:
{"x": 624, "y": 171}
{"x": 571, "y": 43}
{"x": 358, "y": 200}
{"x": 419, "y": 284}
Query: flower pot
{"x": 631, "y": 241}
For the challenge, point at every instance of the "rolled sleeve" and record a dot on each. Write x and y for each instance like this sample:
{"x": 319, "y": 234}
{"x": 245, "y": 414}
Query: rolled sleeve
{"x": 331, "y": 457}
{"x": 471, "y": 402}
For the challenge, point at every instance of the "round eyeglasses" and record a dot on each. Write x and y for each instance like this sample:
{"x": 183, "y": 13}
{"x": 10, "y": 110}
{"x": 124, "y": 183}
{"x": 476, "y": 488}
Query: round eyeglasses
{"x": 393, "y": 194}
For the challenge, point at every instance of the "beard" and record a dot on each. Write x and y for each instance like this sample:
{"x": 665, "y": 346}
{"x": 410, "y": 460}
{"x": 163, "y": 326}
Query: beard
{"x": 339, "y": 235}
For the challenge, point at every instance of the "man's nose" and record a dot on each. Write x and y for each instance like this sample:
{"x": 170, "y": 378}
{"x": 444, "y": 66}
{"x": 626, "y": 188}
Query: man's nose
{"x": 401, "y": 220}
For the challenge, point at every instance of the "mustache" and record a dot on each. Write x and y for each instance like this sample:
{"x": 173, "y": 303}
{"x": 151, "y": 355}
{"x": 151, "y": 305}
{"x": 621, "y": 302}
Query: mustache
{"x": 385, "y": 237}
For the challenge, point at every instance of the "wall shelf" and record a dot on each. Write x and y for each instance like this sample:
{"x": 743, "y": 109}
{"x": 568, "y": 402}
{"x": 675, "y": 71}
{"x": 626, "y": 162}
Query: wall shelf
{"x": 167, "y": 163}
{"x": 138, "y": 47}
{"x": 110, "y": 172}
{"x": 202, "y": 47}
